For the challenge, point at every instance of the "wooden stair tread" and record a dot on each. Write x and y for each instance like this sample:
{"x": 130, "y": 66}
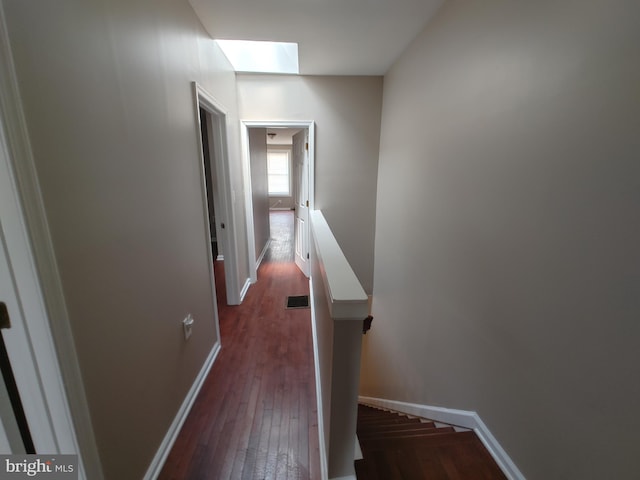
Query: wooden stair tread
{"x": 440, "y": 460}
{"x": 399, "y": 426}
{"x": 362, "y": 470}
{"x": 387, "y": 418}
{"x": 446, "y": 463}
{"x": 433, "y": 440}
{"x": 387, "y": 423}
{"x": 405, "y": 433}
{"x": 397, "y": 447}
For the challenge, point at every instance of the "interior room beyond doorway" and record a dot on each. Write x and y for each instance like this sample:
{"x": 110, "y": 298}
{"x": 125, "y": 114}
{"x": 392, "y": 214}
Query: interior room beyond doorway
{"x": 281, "y": 168}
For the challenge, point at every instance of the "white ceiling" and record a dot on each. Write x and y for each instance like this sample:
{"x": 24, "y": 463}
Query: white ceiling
{"x": 283, "y": 136}
{"x": 335, "y": 37}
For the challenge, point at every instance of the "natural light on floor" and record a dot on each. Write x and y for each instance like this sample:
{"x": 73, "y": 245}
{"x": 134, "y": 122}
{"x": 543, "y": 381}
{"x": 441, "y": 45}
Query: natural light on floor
{"x": 261, "y": 57}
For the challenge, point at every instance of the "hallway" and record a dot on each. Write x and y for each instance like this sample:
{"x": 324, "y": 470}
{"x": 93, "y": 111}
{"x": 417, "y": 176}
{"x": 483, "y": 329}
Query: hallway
{"x": 255, "y": 417}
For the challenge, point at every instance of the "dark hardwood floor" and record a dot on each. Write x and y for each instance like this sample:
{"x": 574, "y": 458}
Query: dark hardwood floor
{"x": 398, "y": 447}
{"x": 255, "y": 417}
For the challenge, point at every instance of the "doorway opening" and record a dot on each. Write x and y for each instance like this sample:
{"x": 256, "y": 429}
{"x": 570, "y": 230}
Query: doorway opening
{"x": 217, "y": 202}
{"x": 213, "y": 196}
{"x": 302, "y": 185}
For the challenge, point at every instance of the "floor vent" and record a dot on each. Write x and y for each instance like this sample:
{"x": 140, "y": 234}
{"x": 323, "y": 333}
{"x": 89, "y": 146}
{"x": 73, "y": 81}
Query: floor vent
{"x": 298, "y": 301}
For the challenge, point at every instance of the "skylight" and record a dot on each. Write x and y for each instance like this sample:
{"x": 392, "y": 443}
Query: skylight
{"x": 261, "y": 57}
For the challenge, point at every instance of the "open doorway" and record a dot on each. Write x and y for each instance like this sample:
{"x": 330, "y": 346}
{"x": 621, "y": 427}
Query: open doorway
{"x": 217, "y": 201}
{"x": 209, "y": 175}
{"x": 213, "y": 199}
{"x": 302, "y": 184}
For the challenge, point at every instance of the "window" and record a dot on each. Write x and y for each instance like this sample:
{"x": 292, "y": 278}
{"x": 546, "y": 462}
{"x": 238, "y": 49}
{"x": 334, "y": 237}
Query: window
{"x": 279, "y": 173}
{"x": 261, "y": 57}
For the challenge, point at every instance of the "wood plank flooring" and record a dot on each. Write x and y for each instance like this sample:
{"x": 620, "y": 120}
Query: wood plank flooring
{"x": 255, "y": 417}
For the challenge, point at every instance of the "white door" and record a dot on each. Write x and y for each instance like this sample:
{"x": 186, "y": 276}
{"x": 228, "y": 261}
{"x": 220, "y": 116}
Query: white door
{"x": 301, "y": 230}
{"x": 11, "y": 436}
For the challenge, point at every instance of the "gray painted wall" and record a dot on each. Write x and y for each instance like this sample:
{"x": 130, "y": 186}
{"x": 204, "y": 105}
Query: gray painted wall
{"x": 108, "y": 98}
{"x": 507, "y": 230}
{"x": 347, "y": 115}
{"x": 259, "y": 187}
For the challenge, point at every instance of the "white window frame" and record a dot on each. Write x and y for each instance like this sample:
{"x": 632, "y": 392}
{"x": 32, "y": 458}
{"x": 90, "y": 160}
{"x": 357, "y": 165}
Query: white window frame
{"x": 290, "y": 170}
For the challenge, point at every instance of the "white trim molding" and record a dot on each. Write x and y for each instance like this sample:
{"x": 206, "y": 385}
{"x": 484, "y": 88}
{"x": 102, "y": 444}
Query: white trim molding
{"x": 245, "y": 289}
{"x": 339, "y": 306}
{"x": 316, "y": 362}
{"x": 161, "y": 455}
{"x": 264, "y": 252}
{"x": 346, "y": 298}
{"x": 462, "y": 418}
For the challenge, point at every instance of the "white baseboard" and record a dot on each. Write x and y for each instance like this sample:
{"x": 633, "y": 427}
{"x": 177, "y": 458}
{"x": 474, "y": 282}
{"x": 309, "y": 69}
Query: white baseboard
{"x": 264, "y": 251}
{"x": 462, "y": 418}
{"x": 324, "y": 471}
{"x": 169, "y": 439}
{"x": 245, "y": 289}
{"x": 357, "y": 454}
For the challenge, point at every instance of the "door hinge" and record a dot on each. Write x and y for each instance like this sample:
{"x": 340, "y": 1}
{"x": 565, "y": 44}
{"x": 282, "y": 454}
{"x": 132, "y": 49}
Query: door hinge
{"x": 307, "y": 203}
{"x": 306, "y": 146}
{"x": 307, "y": 255}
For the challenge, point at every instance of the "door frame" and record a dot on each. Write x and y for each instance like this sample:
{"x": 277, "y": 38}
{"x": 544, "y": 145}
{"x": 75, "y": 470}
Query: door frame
{"x": 246, "y": 164}
{"x": 218, "y": 146}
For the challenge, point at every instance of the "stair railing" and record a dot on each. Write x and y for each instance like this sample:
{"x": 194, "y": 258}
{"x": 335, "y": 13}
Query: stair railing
{"x": 339, "y": 306}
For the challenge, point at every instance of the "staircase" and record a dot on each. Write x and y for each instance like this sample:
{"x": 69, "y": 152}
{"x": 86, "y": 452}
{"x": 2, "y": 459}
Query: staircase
{"x": 398, "y": 447}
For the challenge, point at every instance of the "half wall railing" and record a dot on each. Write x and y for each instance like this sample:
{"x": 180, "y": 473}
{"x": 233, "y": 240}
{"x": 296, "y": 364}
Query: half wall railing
{"x": 339, "y": 306}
